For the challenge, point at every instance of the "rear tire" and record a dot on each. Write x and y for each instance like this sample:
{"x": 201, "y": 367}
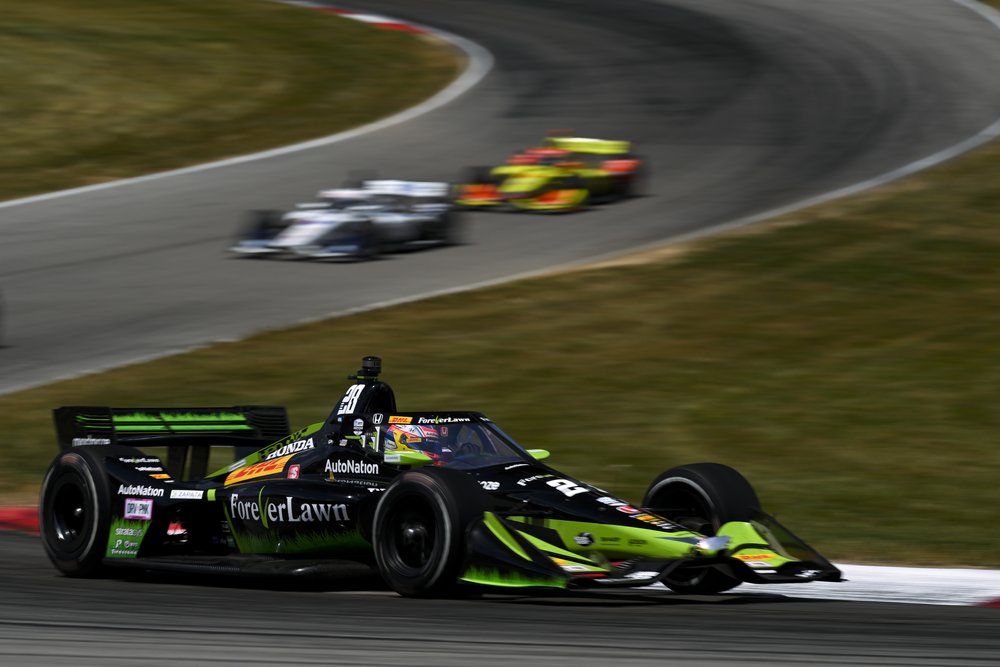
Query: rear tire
{"x": 419, "y": 530}
{"x": 75, "y": 511}
{"x": 702, "y": 497}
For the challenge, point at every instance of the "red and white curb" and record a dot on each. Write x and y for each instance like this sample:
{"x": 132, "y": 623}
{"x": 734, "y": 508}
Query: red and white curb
{"x": 24, "y": 519}
{"x": 865, "y": 583}
{"x": 373, "y": 19}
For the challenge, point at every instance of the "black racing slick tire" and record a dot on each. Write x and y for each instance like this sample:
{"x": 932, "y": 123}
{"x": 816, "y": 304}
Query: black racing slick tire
{"x": 75, "y": 511}
{"x": 702, "y": 497}
{"x": 419, "y": 530}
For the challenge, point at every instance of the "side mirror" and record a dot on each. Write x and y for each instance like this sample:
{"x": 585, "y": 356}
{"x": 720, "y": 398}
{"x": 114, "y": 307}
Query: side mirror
{"x": 539, "y": 454}
{"x": 407, "y": 458}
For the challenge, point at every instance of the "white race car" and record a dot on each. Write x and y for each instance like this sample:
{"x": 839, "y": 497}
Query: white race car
{"x": 362, "y": 222}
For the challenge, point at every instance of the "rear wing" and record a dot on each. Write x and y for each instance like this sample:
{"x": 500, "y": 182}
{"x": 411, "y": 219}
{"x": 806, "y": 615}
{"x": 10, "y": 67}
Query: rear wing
{"x": 585, "y": 145}
{"x": 245, "y": 428}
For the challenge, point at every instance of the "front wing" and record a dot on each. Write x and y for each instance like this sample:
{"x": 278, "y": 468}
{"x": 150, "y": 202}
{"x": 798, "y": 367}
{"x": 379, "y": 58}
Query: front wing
{"x": 501, "y": 553}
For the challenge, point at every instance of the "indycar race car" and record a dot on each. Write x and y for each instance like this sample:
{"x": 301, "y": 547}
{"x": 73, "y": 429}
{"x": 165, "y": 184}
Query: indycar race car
{"x": 565, "y": 174}
{"x": 438, "y": 502}
{"x": 360, "y": 222}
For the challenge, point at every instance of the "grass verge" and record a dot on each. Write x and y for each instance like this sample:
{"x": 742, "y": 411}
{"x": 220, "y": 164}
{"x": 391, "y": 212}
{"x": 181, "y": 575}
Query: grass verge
{"x": 103, "y": 90}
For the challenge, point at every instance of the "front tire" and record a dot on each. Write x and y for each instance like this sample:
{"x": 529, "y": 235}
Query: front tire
{"x": 702, "y": 497}
{"x": 419, "y": 530}
{"x": 75, "y": 512}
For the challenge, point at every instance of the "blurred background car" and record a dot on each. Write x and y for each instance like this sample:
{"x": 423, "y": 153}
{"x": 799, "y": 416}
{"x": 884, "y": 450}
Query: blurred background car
{"x": 565, "y": 174}
{"x": 378, "y": 216}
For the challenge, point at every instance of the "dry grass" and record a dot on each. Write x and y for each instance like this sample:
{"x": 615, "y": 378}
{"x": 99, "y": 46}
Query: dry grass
{"x": 97, "y": 91}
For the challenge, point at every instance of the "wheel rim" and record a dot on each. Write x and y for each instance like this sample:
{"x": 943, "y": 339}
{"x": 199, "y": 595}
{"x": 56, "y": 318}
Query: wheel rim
{"x": 69, "y": 516}
{"x": 412, "y": 534}
{"x": 686, "y": 505}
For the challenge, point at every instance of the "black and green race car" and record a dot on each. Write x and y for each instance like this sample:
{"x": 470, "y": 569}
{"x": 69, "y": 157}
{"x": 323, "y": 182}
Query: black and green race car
{"x": 438, "y": 502}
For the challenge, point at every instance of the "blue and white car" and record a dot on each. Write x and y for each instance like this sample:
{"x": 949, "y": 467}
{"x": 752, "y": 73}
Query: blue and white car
{"x": 379, "y": 216}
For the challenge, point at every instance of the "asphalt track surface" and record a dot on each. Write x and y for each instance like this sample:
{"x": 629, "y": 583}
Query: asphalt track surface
{"x": 49, "y": 620}
{"x": 741, "y": 106}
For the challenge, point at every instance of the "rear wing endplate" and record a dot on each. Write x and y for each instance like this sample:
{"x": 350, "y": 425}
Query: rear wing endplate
{"x": 246, "y": 428}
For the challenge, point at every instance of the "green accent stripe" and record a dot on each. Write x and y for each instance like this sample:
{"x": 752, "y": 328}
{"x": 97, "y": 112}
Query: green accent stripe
{"x": 553, "y": 550}
{"x": 180, "y": 417}
{"x": 183, "y": 427}
{"x": 497, "y": 528}
{"x": 509, "y": 580}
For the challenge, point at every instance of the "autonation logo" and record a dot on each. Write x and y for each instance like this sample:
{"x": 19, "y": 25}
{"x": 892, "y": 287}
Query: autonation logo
{"x": 352, "y": 467}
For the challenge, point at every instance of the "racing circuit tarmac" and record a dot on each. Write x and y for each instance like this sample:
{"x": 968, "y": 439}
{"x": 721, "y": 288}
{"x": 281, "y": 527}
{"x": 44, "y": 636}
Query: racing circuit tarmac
{"x": 740, "y": 105}
{"x": 46, "y": 619}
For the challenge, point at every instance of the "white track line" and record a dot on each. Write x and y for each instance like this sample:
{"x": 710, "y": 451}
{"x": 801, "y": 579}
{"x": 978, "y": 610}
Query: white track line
{"x": 480, "y": 63}
{"x": 912, "y": 585}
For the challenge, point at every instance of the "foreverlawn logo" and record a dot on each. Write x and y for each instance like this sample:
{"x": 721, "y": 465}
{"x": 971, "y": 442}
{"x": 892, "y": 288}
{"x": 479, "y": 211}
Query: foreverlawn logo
{"x": 352, "y": 467}
{"x": 285, "y": 510}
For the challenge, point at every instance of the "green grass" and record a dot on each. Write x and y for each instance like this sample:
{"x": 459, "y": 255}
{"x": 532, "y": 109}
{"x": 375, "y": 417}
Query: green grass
{"x": 844, "y": 358}
{"x": 101, "y": 90}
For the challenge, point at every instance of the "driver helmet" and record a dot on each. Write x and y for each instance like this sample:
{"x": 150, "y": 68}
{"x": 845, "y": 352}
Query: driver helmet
{"x": 410, "y": 437}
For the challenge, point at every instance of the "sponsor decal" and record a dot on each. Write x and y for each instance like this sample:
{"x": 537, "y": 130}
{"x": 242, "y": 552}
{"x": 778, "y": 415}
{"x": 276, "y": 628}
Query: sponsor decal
{"x": 808, "y": 574}
{"x": 391, "y": 457}
{"x": 489, "y": 486}
{"x": 351, "y": 467}
{"x": 138, "y": 508}
{"x": 377, "y": 418}
{"x": 285, "y": 510}
{"x": 186, "y": 494}
{"x": 641, "y": 575}
{"x": 443, "y": 420}
{"x": 755, "y": 556}
{"x": 291, "y": 448}
{"x": 125, "y": 536}
{"x": 611, "y": 540}
{"x": 160, "y": 475}
{"x": 236, "y": 465}
{"x": 628, "y": 509}
{"x": 576, "y": 568}
{"x": 293, "y": 471}
{"x": 636, "y": 543}
{"x": 359, "y": 426}
{"x": 257, "y": 470}
{"x": 83, "y": 442}
{"x": 526, "y": 480}
{"x": 139, "y": 490}
{"x": 584, "y": 539}
{"x": 149, "y": 468}
{"x": 142, "y": 460}
{"x": 398, "y": 419}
